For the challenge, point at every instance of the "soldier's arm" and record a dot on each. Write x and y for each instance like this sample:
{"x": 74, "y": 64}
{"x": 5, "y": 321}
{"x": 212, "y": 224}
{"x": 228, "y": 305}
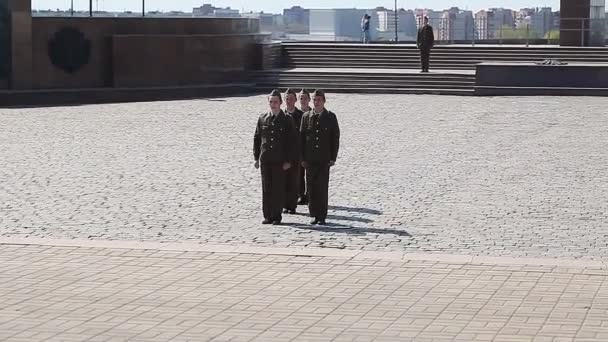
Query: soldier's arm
{"x": 432, "y": 37}
{"x": 335, "y": 140}
{"x": 257, "y": 141}
{"x": 303, "y": 128}
{"x": 293, "y": 143}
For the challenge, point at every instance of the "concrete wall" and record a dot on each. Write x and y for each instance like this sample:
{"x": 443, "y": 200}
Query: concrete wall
{"x": 573, "y": 30}
{"x": 177, "y": 60}
{"x": 100, "y": 31}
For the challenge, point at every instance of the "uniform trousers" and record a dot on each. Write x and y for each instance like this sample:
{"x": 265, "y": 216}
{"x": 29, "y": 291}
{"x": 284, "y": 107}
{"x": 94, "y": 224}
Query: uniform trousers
{"x": 273, "y": 190}
{"x": 292, "y": 187}
{"x": 425, "y": 57}
{"x": 317, "y": 182}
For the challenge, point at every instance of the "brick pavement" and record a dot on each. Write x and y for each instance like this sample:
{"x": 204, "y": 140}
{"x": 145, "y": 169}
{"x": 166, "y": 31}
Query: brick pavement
{"x": 54, "y": 291}
{"x": 477, "y": 176}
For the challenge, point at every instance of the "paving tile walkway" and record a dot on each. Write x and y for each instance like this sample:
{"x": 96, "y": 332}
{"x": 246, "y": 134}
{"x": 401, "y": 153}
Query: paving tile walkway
{"x": 52, "y": 290}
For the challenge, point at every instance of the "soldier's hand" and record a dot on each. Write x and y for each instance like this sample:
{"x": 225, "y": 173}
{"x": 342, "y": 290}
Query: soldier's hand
{"x": 332, "y": 163}
{"x": 304, "y": 164}
{"x": 286, "y": 166}
{"x": 257, "y": 164}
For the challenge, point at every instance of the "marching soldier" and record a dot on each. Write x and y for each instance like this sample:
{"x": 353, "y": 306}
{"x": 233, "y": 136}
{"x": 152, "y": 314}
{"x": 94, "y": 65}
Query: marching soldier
{"x": 320, "y": 141}
{"x": 425, "y": 41}
{"x": 304, "y": 98}
{"x": 275, "y": 151}
{"x": 293, "y": 174}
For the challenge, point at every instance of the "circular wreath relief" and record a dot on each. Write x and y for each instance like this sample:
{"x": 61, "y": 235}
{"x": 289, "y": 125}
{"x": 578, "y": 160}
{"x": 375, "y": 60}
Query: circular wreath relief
{"x": 69, "y": 50}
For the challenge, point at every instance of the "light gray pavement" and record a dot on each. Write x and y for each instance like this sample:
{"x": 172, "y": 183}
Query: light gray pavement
{"x": 181, "y": 292}
{"x": 453, "y": 219}
{"x": 517, "y": 177}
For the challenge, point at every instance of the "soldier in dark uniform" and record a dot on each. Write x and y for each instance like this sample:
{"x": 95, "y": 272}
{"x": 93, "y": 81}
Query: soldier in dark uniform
{"x": 320, "y": 141}
{"x": 304, "y": 98}
{"x": 275, "y": 151}
{"x": 293, "y": 174}
{"x": 425, "y": 42}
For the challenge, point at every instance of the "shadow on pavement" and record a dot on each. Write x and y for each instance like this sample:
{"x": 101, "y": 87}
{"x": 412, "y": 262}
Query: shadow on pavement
{"x": 341, "y": 228}
{"x": 357, "y": 210}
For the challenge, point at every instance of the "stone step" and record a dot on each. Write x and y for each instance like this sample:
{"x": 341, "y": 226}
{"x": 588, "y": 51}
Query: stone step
{"x": 455, "y": 57}
{"x": 364, "y": 90}
{"x": 366, "y": 81}
{"x": 396, "y": 65}
{"x": 347, "y": 85}
{"x": 302, "y": 45}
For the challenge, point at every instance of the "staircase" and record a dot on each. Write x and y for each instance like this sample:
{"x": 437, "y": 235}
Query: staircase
{"x": 386, "y": 68}
{"x": 394, "y": 81}
{"x": 311, "y": 55}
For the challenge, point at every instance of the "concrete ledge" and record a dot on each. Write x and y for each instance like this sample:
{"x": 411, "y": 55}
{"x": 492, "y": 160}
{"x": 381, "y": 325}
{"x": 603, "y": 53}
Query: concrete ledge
{"x": 494, "y": 78}
{"x": 45, "y": 97}
{"x": 309, "y": 252}
{"x": 538, "y": 91}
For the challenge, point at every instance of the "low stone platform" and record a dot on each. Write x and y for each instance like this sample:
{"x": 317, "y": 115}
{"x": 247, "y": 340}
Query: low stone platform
{"x": 47, "y": 97}
{"x": 510, "y": 78}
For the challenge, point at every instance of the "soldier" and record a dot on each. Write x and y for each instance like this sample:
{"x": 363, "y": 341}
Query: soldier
{"x": 293, "y": 174}
{"x": 275, "y": 151}
{"x": 425, "y": 41}
{"x": 320, "y": 140}
{"x": 304, "y": 98}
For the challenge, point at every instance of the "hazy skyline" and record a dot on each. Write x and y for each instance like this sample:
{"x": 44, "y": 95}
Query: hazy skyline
{"x": 275, "y": 6}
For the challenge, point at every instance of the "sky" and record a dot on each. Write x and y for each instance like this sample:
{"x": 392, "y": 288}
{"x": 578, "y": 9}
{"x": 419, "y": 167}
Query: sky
{"x": 276, "y": 6}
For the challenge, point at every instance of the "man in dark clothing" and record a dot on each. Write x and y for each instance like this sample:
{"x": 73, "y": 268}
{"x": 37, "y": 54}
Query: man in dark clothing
{"x": 425, "y": 42}
{"x": 320, "y": 141}
{"x": 304, "y": 98}
{"x": 275, "y": 151}
{"x": 293, "y": 174}
{"x": 365, "y": 28}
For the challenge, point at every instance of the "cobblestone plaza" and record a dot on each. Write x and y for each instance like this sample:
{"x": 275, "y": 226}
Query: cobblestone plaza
{"x": 451, "y": 218}
{"x": 474, "y": 176}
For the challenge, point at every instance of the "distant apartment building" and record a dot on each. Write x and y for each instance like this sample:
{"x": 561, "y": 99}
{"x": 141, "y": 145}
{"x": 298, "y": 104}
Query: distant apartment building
{"x": 490, "y": 23}
{"x": 406, "y": 23}
{"x": 268, "y": 22}
{"x": 297, "y": 19}
{"x": 340, "y": 24}
{"x": 456, "y": 24}
{"x": 538, "y": 20}
{"x": 208, "y": 10}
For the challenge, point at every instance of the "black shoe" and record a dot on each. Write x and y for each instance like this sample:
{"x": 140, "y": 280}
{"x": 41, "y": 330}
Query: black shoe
{"x": 321, "y": 222}
{"x": 303, "y": 201}
{"x": 315, "y": 221}
{"x": 276, "y": 222}
{"x": 285, "y": 211}
{"x": 267, "y": 221}
{"x": 291, "y": 211}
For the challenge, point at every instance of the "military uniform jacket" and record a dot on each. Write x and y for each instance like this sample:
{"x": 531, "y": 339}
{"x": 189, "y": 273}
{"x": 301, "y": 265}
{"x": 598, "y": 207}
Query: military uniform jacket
{"x": 426, "y": 38}
{"x": 275, "y": 139}
{"x": 297, "y": 118}
{"x": 319, "y": 137}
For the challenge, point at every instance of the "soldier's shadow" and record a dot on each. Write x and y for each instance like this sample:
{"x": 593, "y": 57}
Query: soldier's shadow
{"x": 346, "y": 229}
{"x": 342, "y": 218}
{"x": 355, "y": 210}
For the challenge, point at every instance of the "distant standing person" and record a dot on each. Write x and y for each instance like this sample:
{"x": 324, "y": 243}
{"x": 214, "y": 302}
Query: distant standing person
{"x": 275, "y": 150}
{"x": 292, "y": 184}
{"x": 365, "y": 28}
{"x": 425, "y": 42}
{"x": 304, "y": 98}
{"x": 320, "y": 141}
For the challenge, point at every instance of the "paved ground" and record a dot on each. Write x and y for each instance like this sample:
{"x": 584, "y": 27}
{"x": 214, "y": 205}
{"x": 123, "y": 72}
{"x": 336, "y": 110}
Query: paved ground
{"x": 457, "y": 175}
{"x": 453, "y": 219}
{"x": 182, "y": 293}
